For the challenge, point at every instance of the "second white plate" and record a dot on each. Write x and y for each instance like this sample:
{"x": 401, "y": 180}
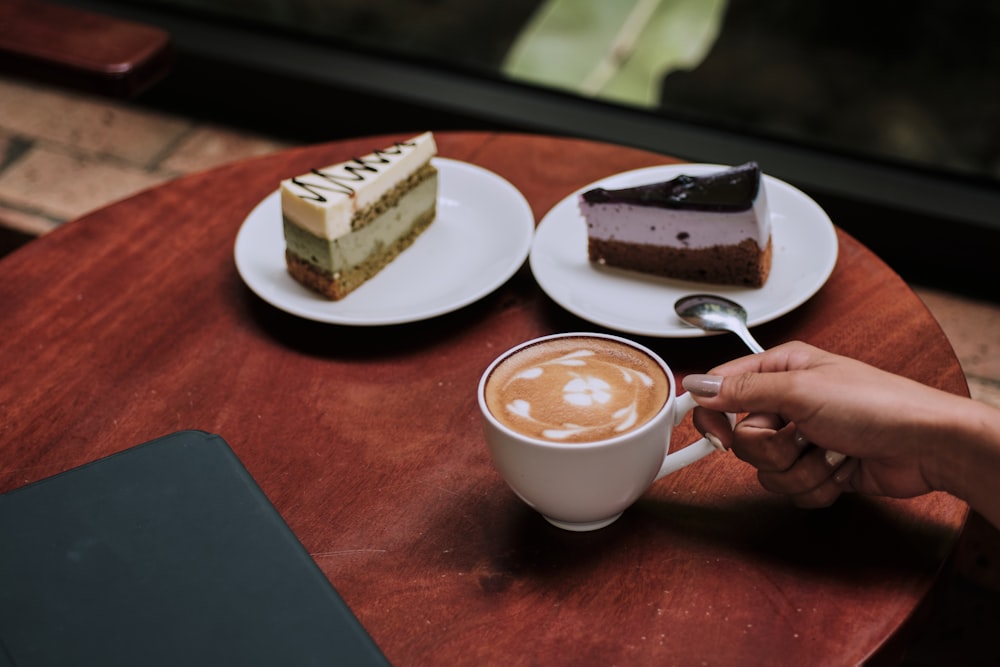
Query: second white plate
{"x": 804, "y": 245}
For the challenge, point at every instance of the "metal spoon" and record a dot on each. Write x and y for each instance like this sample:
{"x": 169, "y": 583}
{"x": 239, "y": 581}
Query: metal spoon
{"x": 715, "y": 313}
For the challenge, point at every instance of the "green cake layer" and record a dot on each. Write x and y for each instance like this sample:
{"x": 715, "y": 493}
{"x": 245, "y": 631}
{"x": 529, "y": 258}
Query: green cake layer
{"x": 337, "y": 267}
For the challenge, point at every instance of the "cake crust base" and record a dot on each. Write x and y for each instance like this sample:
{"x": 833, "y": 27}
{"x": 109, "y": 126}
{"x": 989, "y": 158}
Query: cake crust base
{"x": 338, "y": 285}
{"x": 744, "y": 264}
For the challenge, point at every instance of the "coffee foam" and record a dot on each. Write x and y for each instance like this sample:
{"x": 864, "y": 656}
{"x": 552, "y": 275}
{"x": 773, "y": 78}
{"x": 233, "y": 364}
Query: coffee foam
{"x": 576, "y": 389}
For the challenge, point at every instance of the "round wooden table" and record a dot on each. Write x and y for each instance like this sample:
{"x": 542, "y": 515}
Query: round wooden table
{"x": 133, "y": 322}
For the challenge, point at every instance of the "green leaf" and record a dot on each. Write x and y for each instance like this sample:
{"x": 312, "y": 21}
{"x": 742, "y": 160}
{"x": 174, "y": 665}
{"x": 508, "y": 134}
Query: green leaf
{"x": 617, "y": 50}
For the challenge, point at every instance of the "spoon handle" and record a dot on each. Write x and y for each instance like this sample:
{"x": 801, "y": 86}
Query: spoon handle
{"x": 749, "y": 340}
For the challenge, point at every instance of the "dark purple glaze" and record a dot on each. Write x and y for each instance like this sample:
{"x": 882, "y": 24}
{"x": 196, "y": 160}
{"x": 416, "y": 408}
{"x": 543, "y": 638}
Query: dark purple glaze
{"x": 733, "y": 189}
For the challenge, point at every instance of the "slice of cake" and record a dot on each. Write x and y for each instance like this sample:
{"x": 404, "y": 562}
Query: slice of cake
{"x": 344, "y": 223}
{"x": 713, "y": 228}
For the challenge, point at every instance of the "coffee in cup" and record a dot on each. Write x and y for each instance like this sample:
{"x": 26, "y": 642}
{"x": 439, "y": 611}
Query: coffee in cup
{"x": 579, "y": 425}
{"x": 576, "y": 389}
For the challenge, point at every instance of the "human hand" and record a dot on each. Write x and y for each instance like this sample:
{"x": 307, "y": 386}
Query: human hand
{"x": 819, "y": 424}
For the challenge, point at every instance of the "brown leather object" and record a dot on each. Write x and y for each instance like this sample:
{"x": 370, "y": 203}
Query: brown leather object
{"x": 83, "y": 50}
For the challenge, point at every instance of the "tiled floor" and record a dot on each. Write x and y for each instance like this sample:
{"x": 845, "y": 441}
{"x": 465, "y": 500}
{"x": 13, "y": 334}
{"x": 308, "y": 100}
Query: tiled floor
{"x": 63, "y": 154}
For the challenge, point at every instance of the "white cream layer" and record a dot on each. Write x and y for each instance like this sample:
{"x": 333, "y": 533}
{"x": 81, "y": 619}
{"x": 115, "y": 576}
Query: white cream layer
{"x": 334, "y": 255}
{"x": 325, "y": 200}
{"x": 678, "y": 228}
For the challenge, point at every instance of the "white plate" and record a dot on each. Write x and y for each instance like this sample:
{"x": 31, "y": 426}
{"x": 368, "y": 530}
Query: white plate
{"x": 480, "y": 238}
{"x": 804, "y": 245}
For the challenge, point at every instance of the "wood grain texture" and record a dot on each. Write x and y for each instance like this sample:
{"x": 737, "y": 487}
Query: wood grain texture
{"x": 132, "y": 322}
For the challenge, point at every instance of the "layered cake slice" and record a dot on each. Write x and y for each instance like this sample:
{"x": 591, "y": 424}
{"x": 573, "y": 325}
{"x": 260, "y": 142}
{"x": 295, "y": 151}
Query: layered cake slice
{"x": 346, "y": 222}
{"x": 712, "y": 228}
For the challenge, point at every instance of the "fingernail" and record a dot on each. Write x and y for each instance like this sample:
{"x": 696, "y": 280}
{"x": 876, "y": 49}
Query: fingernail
{"x": 800, "y": 440}
{"x": 715, "y": 442}
{"x": 705, "y": 386}
{"x": 845, "y": 472}
{"x": 834, "y": 459}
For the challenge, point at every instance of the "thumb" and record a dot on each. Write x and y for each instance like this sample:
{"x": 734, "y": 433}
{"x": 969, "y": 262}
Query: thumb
{"x": 746, "y": 392}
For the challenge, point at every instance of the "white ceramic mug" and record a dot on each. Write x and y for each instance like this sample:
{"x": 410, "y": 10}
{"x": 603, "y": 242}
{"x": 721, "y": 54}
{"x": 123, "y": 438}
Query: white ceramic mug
{"x": 587, "y": 485}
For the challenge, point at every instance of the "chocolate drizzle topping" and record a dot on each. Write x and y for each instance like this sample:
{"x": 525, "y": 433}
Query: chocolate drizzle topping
{"x": 733, "y": 189}
{"x": 354, "y": 173}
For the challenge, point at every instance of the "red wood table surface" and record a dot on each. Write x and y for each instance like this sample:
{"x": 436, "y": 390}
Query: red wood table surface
{"x": 132, "y": 322}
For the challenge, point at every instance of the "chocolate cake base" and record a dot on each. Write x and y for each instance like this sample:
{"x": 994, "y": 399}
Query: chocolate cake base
{"x": 744, "y": 264}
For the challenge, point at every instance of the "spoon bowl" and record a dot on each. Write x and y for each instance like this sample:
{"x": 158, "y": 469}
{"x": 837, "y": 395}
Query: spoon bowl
{"x": 715, "y": 313}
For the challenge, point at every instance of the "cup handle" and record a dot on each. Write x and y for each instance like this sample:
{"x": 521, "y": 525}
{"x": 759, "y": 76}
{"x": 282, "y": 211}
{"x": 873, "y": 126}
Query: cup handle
{"x": 699, "y": 449}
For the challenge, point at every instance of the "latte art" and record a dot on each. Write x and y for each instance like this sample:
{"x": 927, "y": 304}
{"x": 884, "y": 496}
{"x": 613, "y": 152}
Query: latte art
{"x": 576, "y": 390}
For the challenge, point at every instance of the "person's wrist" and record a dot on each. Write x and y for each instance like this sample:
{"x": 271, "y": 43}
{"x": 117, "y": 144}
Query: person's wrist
{"x": 965, "y": 458}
